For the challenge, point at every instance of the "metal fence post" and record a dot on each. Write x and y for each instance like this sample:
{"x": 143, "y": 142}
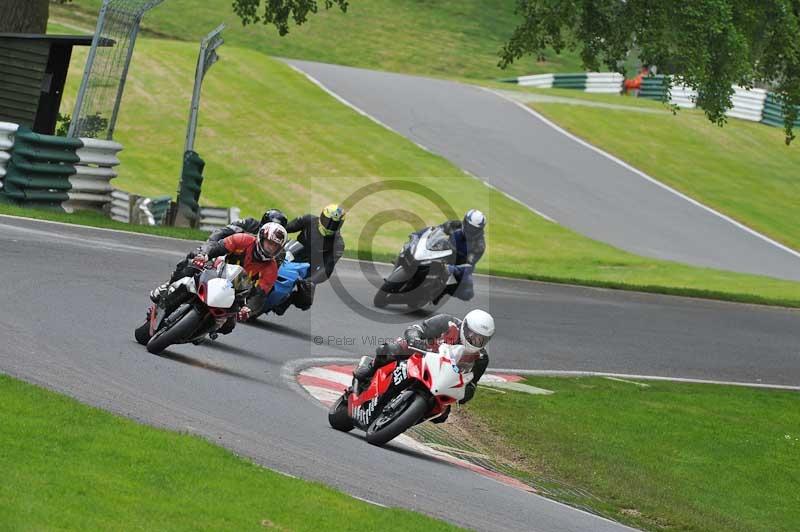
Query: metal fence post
{"x": 87, "y": 70}
{"x": 205, "y": 59}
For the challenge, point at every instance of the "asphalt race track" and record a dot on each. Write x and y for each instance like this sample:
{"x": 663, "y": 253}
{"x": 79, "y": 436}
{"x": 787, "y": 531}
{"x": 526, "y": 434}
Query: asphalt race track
{"x": 520, "y": 154}
{"x": 72, "y": 296}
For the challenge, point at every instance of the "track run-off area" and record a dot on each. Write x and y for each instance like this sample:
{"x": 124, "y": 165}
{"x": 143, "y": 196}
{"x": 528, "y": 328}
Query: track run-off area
{"x": 72, "y": 296}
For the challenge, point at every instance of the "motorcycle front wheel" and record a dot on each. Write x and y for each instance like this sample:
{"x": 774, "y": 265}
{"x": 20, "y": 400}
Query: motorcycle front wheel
{"x": 338, "y": 417}
{"x": 388, "y": 425}
{"x": 173, "y": 334}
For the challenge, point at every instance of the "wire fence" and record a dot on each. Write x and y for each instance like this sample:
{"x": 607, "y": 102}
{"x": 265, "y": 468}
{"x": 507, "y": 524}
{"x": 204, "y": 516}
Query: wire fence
{"x": 100, "y": 94}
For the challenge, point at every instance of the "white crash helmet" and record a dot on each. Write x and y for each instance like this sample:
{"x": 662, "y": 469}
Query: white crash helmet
{"x": 477, "y": 329}
{"x": 270, "y": 241}
{"x": 474, "y": 223}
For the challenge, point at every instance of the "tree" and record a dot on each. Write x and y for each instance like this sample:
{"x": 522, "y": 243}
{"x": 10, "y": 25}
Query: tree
{"x": 708, "y": 45}
{"x": 279, "y": 12}
{"x": 24, "y": 16}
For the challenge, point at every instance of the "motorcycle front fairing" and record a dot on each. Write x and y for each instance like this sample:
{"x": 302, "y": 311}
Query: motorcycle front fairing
{"x": 415, "y": 264}
{"x": 363, "y": 407}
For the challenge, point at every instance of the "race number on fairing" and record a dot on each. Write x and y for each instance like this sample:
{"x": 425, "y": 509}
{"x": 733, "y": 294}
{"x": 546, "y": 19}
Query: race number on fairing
{"x": 400, "y": 373}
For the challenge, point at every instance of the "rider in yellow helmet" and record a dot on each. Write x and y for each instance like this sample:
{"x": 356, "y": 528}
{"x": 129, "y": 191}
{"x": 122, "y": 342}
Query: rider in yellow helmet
{"x": 323, "y": 246}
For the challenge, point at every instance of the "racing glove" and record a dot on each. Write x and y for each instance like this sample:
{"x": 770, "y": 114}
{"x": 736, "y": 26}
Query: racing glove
{"x": 243, "y": 314}
{"x": 199, "y": 261}
{"x": 442, "y": 417}
{"x": 466, "y": 269}
{"x": 461, "y": 270}
{"x": 394, "y": 349}
{"x": 469, "y": 393}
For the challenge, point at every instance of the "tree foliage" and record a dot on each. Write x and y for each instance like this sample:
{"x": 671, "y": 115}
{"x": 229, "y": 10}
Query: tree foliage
{"x": 708, "y": 45}
{"x": 280, "y": 12}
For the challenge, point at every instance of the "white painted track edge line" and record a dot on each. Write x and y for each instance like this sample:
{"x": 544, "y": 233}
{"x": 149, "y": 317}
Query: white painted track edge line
{"x": 294, "y": 367}
{"x": 569, "y": 373}
{"x": 641, "y": 174}
{"x": 481, "y": 275}
{"x": 95, "y": 228}
{"x": 342, "y": 100}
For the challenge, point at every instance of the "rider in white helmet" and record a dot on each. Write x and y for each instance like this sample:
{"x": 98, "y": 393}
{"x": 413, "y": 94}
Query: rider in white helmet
{"x": 468, "y": 242}
{"x": 473, "y": 332}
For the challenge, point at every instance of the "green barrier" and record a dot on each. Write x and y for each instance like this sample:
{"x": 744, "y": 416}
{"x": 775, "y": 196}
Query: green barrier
{"x": 569, "y": 81}
{"x": 190, "y": 186}
{"x": 773, "y": 113}
{"x": 653, "y": 88}
{"x": 159, "y": 206}
{"x": 40, "y": 167}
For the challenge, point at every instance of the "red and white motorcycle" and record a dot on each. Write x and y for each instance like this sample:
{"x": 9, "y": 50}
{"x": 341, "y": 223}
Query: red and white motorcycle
{"x": 404, "y": 393}
{"x": 194, "y": 307}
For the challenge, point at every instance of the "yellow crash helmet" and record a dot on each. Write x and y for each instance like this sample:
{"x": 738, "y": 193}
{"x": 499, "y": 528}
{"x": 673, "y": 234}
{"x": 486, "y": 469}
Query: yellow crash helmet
{"x": 331, "y": 219}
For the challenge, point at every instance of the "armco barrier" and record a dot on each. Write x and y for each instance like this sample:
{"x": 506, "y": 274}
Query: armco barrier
{"x": 159, "y": 207}
{"x": 91, "y": 184}
{"x": 213, "y": 217}
{"x": 129, "y": 208}
{"x": 756, "y": 105}
{"x": 120, "y": 206}
{"x": 748, "y": 104}
{"x": 604, "y": 82}
{"x": 542, "y": 81}
{"x": 653, "y": 88}
{"x": 773, "y": 112}
{"x": 40, "y": 167}
{"x": 7, "y": 130}
{"x": 683, "y": 96}
{"x": 570, "y": 81}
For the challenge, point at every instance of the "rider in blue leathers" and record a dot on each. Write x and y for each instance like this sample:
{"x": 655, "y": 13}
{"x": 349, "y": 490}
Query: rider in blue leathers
{"x": 466, "y": 237}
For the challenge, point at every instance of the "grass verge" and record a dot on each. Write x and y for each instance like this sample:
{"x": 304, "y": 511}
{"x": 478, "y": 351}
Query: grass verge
{"x": 67, "y": 466}
{"x": 665, "y": 455}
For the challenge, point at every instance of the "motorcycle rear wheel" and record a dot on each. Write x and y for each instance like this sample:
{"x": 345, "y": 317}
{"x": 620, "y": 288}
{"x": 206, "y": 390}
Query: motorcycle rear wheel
{"x": 142, "y": 333}
{"x": 338, "y": 417}
{"x": 386, "y": 427}
{"x": 381, "y": 299}
{"x": 181, "y": 329}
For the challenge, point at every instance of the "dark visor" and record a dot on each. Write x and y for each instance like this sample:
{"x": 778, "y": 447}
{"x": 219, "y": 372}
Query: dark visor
{"x": 329, "y": 224}
{"x": 474, "y": 338}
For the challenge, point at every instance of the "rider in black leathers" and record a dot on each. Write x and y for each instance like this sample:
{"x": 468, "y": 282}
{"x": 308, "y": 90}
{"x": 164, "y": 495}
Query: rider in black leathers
{"x": 323, "y": 246}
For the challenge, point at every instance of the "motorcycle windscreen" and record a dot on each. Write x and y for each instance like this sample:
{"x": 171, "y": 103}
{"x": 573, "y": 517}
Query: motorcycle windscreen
{"x": 220, "y": 293}
{"x": 432, "y": 245}
{"x": 437, "y": 240}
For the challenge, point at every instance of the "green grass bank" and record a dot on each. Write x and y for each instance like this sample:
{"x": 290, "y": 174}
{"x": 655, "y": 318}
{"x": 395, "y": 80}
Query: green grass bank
{"x": 658, "y": 455}
{"x": 446, "y": 38}
{"x": 67, "y": 466}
